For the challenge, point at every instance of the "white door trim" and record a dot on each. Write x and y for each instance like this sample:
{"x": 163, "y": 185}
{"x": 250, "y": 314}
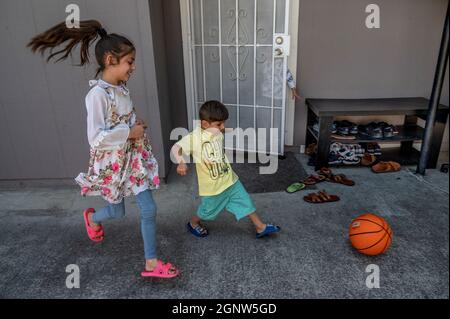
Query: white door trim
{"x": 189, "y": 70}
{"x": 187, "y": 57}
{"x": 292, "y": 64}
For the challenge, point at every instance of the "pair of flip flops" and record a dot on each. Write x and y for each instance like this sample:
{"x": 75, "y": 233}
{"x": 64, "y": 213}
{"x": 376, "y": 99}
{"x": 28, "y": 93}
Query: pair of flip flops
{"x": 162, "y": 270}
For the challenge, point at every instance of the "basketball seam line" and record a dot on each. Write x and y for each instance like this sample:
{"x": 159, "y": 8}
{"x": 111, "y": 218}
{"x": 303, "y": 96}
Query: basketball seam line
{"x": 386, "y": 233}
{"x": 363, "y": 233}
{"x": 383, "y": 228}
{"x": 371, "y": 221}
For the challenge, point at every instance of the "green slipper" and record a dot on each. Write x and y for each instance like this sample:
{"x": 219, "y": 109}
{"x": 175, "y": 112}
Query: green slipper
{"x": 295, "y": 187}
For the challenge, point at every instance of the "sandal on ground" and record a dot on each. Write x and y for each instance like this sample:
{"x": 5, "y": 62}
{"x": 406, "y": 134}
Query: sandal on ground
{"x": 320, "y": 198}
{"x": 95, "y": 235}
{"x": 338, "y": 179}
{"x": 270, "y": 229}
{"x": 314, "y": 179}
{"x": 162, "y": 270}
{"x": 197, "y": 231}
{"x": 368, "y": 159}
{"x": 341, "y": 179}
{"x": 295, "y": 187}
{"x": 386, "y": 167}
{"x": 325, "y": 171}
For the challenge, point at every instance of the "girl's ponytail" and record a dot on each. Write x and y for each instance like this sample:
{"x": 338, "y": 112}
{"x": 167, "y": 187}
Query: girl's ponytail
{"x": 85, "y": 35}
{"x": 114, "y": 44}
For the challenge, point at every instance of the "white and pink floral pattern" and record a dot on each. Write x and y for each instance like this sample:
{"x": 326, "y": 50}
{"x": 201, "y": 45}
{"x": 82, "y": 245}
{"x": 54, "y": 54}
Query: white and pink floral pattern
{"x": 120, "y": 171}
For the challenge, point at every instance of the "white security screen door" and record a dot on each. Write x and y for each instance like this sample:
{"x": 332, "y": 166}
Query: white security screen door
{"x": 238, "y": 53}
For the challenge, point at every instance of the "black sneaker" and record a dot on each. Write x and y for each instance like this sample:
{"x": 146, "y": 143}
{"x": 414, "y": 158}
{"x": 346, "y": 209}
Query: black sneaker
{"x": 334, "y": 159}
{"x": 388, "y": 130}
{"x": 334, "y": 128}
{"x": 371, "y": 131}
{"x": 350, "y": 158}
{"x": 346, "y": 128}
{"x": 374, "y": 149}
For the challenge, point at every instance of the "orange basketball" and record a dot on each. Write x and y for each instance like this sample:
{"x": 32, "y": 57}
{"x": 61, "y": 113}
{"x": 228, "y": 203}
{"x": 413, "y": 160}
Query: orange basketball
{"x": 370, "y": 234}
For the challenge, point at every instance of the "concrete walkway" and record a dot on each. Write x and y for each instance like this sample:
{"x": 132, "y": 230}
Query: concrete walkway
{"x": 42, "y": 231}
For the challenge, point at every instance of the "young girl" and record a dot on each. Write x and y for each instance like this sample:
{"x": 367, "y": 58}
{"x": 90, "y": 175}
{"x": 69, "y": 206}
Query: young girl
{"x": 121, "y": 161}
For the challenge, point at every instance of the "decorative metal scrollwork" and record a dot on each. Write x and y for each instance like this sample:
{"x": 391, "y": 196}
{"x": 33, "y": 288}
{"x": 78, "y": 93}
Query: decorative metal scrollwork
{"x": 261, "y": 57}
{"x": 213, "y": 33}
{"x": 261, "y": 35}
{"x": 214, "y": 56}
{"x": 244, "y": 34}
{"x": 243, "y": 53}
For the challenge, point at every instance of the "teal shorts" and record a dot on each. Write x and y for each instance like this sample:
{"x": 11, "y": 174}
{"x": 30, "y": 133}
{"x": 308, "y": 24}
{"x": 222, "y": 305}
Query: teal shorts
{"x": 234, "y": 199}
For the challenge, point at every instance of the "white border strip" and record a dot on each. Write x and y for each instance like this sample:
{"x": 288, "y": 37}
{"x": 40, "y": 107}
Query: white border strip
{"x": 273, "y": 71}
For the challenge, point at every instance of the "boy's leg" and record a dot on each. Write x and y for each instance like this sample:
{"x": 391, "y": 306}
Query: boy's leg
{"x": 241, "y": 205}
{"x": 195, "y": 221}
{"x": 259, "y": 225}
{"x": 208, "y": 210}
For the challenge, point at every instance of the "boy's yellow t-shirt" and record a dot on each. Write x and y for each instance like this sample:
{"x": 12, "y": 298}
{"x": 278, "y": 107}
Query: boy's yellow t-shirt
{"x": 214, "y": 171}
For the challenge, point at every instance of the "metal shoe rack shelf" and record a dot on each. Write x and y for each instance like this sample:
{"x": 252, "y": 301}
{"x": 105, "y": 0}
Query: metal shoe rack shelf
{"x": 324, "y": 111}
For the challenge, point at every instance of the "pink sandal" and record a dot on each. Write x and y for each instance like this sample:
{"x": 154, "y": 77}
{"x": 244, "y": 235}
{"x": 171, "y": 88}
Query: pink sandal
{"x": 162, "y": 270}
{"x": 94, "y": 235}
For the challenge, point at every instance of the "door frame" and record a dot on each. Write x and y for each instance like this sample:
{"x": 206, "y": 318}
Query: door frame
{"x": 189, "y": 67}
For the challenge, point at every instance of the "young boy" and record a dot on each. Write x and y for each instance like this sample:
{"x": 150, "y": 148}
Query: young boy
{"x": 219, "y": 187}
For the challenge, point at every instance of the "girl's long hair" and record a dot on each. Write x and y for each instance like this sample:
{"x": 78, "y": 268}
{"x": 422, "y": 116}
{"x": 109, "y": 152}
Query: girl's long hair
{"x": 114, "y": 44}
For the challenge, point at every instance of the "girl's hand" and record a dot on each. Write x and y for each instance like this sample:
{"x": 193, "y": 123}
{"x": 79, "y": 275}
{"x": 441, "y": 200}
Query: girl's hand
{"x": 137, "y": 132}
{"x": 182, "y": 169}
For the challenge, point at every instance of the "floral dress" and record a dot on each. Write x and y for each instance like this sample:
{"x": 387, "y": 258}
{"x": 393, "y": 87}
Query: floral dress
{"x": 118, "y": 167}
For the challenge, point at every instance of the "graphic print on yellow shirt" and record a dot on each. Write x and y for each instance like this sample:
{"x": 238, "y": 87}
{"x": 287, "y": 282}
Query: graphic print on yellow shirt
{"x": 214, "y": 159}
{"x": 214, "y": 171}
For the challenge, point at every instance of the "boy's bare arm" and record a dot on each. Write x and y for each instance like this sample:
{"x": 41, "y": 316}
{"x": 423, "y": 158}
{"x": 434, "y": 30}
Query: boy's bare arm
{"x": 178, "y": 155}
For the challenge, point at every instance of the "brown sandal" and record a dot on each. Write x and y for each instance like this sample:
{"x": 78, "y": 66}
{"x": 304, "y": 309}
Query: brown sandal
{"x": 320, "y": 198}
{"x": 339, "y": 179}
{"x": 325, "y": 171}
{"x": 386, "y": 167}
{"x": 368, "y": 160}
{"x": 314, "y": 179}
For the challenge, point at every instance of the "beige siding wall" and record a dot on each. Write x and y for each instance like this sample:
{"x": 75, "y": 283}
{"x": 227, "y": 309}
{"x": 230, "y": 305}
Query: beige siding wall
{"x": 42, "y": 112}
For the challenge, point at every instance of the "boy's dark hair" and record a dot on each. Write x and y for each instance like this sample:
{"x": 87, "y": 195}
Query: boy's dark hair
{"x": 85, "y": 35}
{"x": 213, "y": 111}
